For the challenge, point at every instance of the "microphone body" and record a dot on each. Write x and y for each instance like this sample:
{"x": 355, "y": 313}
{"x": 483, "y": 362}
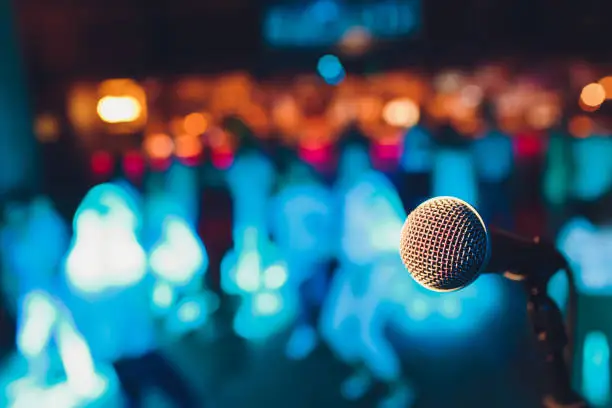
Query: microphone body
{"x": 520, "y": 258}
{"x": 445, "y": 246}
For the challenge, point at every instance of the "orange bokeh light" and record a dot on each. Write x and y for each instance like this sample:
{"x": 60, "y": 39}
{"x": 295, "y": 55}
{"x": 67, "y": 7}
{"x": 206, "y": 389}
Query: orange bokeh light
{"x": 195, "y": 124}
{"x": 593, "y": 95}
{"x": 188, "y": 146}
{"x": 606, "y": 83}
{"x": 580, "y": 126}
{"x": 158, "y": 146}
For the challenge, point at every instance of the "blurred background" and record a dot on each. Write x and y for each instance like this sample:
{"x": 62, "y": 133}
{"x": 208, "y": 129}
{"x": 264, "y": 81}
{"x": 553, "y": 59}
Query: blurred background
{"x": 201, "y": 201}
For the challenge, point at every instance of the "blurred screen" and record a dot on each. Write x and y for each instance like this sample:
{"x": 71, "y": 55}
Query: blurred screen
{"x": 320, "y": 23}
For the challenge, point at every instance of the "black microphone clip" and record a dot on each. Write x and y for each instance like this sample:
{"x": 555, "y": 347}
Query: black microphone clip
{"x": 522, "y": 259}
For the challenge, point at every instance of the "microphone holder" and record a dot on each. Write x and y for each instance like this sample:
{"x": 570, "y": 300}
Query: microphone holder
{"x": 551, "y": 335}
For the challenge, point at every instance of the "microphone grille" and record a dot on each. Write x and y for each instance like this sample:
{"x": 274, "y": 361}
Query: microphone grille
{"x": 444, "y": 244}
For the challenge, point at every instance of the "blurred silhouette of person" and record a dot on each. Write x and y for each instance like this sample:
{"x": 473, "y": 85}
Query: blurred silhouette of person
{"x": 352, "y": 150}
{"x": 557, "y": 175}
{"x": 586, "y": 241}
{"x": 254, "y": 269}
{"x": 529, "y": 147}
{"x": 302, "y": 224}
{"x": 14, "y": 217}
{"x": 494, "y": 161}
{"x": 592, "y": 176}
{"x": 178, "y": 262}
{"x": 453, "y": 172}
{"x": 34, "y": 240}
{"x": 416, "y": 164}
{"x": 359, "y": 305}
{"x": 107, "y": 275}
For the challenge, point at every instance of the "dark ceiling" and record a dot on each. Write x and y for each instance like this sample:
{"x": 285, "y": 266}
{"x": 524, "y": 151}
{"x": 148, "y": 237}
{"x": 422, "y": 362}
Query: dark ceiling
{"x": 101, "y": 38}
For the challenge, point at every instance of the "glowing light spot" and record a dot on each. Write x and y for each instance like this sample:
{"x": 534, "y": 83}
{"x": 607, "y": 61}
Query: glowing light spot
{"x": 195, "y": 124}
{"x": 248, "y": 271}
{"x": 180, "y": 255}
{"x": 448, "y": 82}
{"x": 119, "y": 109}
{"x": 102, "y": 163}
{"x": 595, "y": 369}
{"x": 331, "y": 70}
{"x": 356, "y": 41}
{"x": 542, "y": 116}
{"x": 471, "y": 95}
{"x": 158, "y": 146}
{"x": 188, "y": 146}
{"x": 275, "y": 277}
{"x": 402, "y": 112}
{"x": 133, "y": 164}
{"x": 105, "y": 252}
{"x": 267, "y": 303}
{"x": 163, "y": 296}
{"x": 222, "y": 159}
{"x": 606, "y": 83}
{"x": 189, "y": 312}
{"x": 593, "y": 95}
{"x": 580, "y": 126}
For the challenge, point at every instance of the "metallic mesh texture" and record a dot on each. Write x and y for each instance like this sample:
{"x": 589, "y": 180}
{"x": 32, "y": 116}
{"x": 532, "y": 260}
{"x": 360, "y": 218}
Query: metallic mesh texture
{"x": 443, "y": 244}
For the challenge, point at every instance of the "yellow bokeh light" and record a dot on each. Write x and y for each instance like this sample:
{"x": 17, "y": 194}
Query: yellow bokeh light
{"x": 593, "y": 95}
{"x": 606, "y": 83}
{"x": 402, "y": 112}
{"x": 119, "y": 109}
{"x": 158, "y": 146}
{"x": 188, "y": 146}
{"x": 195, "y": 124}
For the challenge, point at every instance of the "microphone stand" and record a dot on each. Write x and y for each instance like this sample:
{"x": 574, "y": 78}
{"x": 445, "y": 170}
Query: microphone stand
{"x": 554, "y": 340}
{"x": 549, "y": 329}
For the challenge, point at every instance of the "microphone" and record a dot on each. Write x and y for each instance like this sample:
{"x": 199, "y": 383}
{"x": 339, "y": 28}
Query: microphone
{"x": 445, "y": 246}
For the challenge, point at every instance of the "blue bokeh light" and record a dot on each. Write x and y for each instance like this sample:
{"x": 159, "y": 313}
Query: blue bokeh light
{"x": 589, "y": 250}
{"x": 331, "y": 70}
{"x": 596, "y": 369}
{"x": 105, "y": 252}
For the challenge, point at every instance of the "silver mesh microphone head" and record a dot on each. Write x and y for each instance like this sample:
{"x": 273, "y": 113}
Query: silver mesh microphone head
{"x": 444, "y": 244}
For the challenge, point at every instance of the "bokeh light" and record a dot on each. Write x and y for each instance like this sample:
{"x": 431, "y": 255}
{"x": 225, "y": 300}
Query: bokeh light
{"x": 606, "y": 83}
{"x": 402, "y": 112}
{"x": 593, "y": 95}
{"x": 471, "y": 95}
{"x": 46, "y": 128}
{"x": 331, "y": 70}
{"x": 580, "y": 126}
{"x": 542, "y": 116}
{"x": 187, "y": 146}
{"x": 119, "y": 109}
{"x": 133, "y": 165}
{"x": 102, "y": 163}
{"x": 195, "y": 124}
{"x": 355, "y": 41}
{"x": 158, "y": 146}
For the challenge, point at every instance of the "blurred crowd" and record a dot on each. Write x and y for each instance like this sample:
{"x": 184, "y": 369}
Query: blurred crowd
{"x": 313, "y": 252}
